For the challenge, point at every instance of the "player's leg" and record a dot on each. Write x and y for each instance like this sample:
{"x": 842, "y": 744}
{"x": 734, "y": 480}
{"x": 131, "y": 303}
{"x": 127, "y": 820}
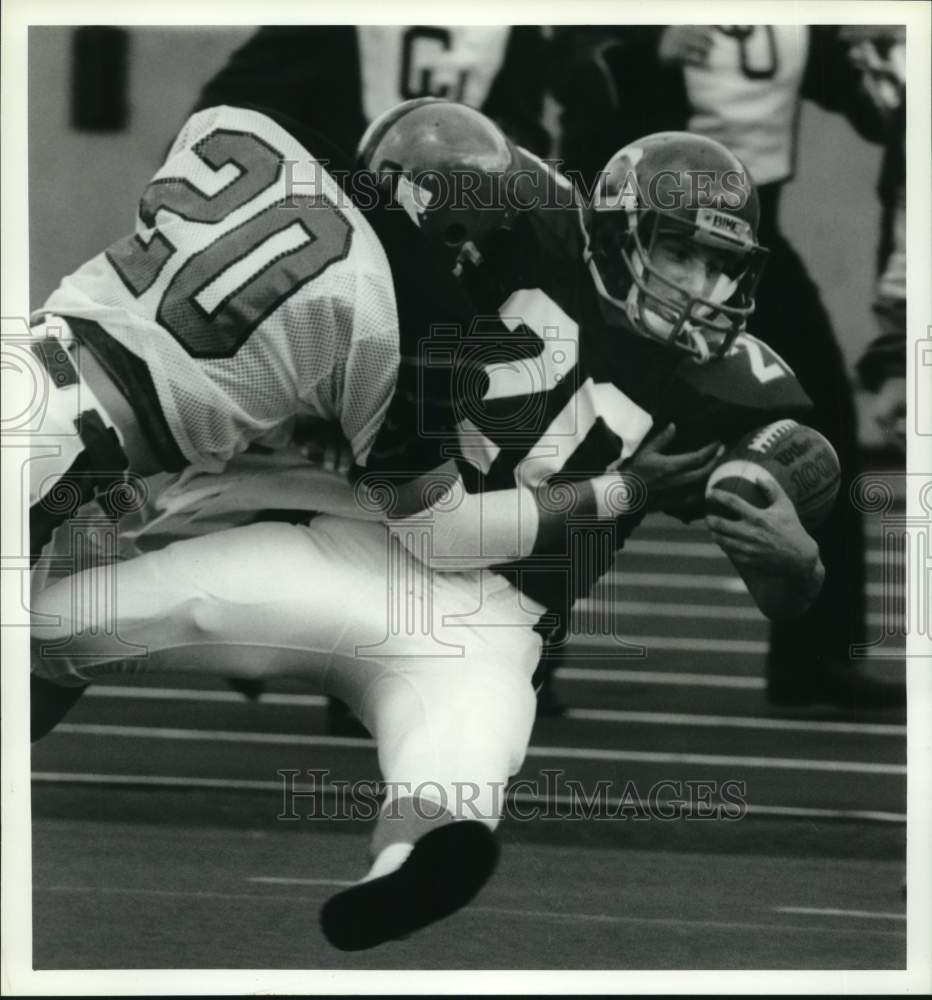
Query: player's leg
{"x": 450, "y": 703}
{"x": 451, "y": 707}
{"x": 253, "y": 602}
{"x": 448, "y": 742}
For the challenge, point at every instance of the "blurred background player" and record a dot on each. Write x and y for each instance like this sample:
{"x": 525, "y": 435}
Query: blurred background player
{"x": 879, "y": 54}
{"x": 743, "y": 86}
{"x": 338, "y": 78}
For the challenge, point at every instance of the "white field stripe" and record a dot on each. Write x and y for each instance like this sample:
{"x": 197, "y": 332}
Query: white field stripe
{"x": 718, "y": 760}
{"x": 671, "y": 921}
{"x": 236, "y": 275}
{"x": 676, "y": 581}
{"x": 740, "y": 647}
{"x": 692, "y": 644}
{"x": 657, "y": 677}
{"x": 576, "y": 753}
{"x": 283, "y": 880}
{"x": 710, "y": 582}
{"x": 214, "y": 735}
{"x": 194, "y": 694}
{"x": 523, "y": 798}
{"x": 858, "y": 914}
{"x": 664, "y": 528}
{"x": 734, "y": 721}
{"x": 581, "y": 714}
{"x": 704, "y": 550}
{"x": 548, "y": 915}
{"x": 661, "y": 609}
{"x": 653, "y": 609}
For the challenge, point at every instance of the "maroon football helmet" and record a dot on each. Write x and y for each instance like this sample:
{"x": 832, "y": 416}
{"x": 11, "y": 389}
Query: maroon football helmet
{"x": 688, "y": 188}
{"x": 448, "y": 166}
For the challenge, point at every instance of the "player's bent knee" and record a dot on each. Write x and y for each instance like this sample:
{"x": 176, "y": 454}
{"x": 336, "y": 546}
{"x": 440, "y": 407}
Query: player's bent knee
{"x": 454, "y": 740}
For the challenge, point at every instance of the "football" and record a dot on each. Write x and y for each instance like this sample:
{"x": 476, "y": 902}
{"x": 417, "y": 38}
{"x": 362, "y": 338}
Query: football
{"x": 798, "y": 457}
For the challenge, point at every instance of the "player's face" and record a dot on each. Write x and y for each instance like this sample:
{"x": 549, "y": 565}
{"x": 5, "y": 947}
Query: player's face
{"x": 693, "y": 268}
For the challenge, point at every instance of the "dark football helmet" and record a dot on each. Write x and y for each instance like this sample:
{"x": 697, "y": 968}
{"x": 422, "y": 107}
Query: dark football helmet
{"x": 449, "y": 167}
{"x": 680, "y": 187}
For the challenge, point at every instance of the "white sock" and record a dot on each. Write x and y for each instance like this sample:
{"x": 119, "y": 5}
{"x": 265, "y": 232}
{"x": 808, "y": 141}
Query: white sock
{"x": 390, "y": 859}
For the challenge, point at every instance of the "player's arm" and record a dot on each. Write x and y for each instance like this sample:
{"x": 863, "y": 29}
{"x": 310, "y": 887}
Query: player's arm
{"x": 771, "y": 550}
{"x": 478, "y": 530}
{"x": 475, "y": 530}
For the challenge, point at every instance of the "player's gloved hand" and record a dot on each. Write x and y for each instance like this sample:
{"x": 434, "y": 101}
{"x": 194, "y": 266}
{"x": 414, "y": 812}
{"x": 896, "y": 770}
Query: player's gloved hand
{"x": 768, "y": 540}
{"x": 685, "y": 45}
{"x": 674, "y": 483}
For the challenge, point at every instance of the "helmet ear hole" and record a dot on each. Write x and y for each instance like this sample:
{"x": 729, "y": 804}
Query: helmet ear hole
{"x": 454, "y": 234}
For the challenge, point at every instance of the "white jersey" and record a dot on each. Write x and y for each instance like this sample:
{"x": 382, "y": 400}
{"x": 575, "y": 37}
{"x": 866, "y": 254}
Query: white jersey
{"x": 398, "y": 62}
{"x": 252, "y": 290}
{"x": 746, "y": 94}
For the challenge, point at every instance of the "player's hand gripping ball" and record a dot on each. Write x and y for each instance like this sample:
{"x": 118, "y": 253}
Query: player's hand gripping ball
{"x": 798, "y": 457}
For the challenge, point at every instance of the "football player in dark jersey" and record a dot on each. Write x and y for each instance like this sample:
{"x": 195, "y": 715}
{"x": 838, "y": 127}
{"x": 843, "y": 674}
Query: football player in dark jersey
{"x": 745, "y": 85}
{"x": 625, "y": 316}
{"x": 604, "y": 334}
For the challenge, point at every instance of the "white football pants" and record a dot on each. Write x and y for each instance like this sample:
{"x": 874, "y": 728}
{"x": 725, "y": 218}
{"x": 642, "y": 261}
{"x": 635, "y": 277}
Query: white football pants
{"x": 438, "y": 666}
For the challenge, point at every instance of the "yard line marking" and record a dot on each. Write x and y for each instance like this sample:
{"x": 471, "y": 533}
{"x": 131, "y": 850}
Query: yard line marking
{"x": 578, "y": 753}
{"x": 524, "y": 798}
{"x": 661, "y": 608}
{"x": 663, "y": 921}
{"x": 582, "y": 714}
{"x": 213, "y": 735}
{"x": 281, "y": 880}
{"x": 694, "y": 644}
{"x": 707, "y": 550}
{"x": 716, "y": 612}
{"x": 681, "y": 581}
{"x": 501, "y": 911}
{"x": 718, "y": 760}
{"x": 684, "y": 719}
{"x": 813, "y": 812}
{"x": 738, "y": 647}
{"x": 858, "y": 914}
{"x": 195, "y": 694}
{"x": 159, "y": 781}
{"x": 657, "y": 677}
{"x": 712, "y": 581}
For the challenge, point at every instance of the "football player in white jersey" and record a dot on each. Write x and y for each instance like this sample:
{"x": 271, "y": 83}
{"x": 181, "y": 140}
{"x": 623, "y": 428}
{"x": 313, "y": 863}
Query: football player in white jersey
{"x": 448, "y": 695}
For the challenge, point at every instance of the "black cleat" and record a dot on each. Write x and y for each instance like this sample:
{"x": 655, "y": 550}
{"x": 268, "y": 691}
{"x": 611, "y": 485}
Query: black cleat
{"x": 48, "y": 704}
{"x": 442, "y": 874}
{"x": 838, "y": 685}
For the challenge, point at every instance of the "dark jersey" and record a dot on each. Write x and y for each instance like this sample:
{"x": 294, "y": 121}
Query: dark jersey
{"x": 536, "y": 390}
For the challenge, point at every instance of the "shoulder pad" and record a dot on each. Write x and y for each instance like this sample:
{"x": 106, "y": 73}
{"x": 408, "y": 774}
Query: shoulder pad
{"x": 751, "y": 376}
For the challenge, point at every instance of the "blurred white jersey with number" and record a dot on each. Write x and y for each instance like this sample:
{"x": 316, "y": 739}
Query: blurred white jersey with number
{"x": 252, "y": 290}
